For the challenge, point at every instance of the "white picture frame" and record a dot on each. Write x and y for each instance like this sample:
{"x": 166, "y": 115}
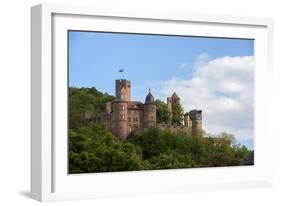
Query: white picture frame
{"x": 49, "y": 178}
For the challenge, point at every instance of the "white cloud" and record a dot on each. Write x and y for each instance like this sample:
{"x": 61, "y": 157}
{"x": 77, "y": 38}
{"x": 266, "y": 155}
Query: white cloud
{"x": 201, "y": 60}
{"x": 223, "y": 89}
{"x": 183, "y": 66}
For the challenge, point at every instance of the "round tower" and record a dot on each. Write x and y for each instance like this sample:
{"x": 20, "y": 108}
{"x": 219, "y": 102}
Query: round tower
{"x": 149, "y": 112}
{"x": 196, "y": 119}
{"x": 119, "y": 119}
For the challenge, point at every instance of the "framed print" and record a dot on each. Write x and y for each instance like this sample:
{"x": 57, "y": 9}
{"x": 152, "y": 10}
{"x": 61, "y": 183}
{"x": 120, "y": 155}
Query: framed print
{"x": 137, "y": 102}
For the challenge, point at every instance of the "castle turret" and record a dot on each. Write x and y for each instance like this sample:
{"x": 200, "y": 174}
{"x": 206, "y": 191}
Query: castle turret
{"x": 125, "y": 85}
{"x": 149, "y": 113}
{"x": 119, "y": 109}
{"x": 119, "y": 118}
{"x": 196, "y": 119}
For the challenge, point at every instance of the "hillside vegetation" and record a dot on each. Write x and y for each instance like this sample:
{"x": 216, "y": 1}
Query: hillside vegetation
{"x": 94, "y": 148}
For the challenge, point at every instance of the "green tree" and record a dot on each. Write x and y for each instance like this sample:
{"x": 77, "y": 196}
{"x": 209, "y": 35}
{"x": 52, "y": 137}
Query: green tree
{"x": 162, "y": 112}
{"x": 171, "y": 160}
{"x": 83, "y": 100}
{"x": 225, "y": 151}
{"x": 164, "y": 149}
{"x": 95, "y": 149}
{"x": 177, "y": 113}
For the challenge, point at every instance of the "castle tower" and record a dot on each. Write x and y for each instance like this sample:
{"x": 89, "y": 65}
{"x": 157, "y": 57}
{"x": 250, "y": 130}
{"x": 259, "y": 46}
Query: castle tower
{"x": 169, "y": 104}
{"x": 149, "y": 115}
{"x": 196, "y": 119}
{"x": 119, "y": 118}
{"x": 126, "y": 86}
{"x": 175, "y": 98}
{"x": 187, "y": 120}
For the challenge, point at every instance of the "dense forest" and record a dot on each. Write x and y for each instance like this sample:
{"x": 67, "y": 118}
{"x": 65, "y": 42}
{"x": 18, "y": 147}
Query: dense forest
{"x": 93, "y": 148}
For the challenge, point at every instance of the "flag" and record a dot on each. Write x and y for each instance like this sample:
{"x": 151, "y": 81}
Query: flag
{"x": 121, "y": 70}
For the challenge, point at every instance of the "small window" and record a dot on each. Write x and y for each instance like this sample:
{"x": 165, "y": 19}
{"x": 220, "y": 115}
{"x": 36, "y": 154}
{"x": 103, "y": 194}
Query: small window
{"x": 129, "y": 119}
{"x": 122, "y": 116}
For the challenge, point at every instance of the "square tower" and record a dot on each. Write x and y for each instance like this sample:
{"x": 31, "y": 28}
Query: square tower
{"x": 123, "y": 88}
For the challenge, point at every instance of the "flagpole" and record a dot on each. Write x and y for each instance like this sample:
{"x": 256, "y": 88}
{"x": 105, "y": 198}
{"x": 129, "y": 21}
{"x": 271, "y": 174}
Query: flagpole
{"x": 121, "y": 71}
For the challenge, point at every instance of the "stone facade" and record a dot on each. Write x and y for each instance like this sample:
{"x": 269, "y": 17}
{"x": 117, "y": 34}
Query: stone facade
{"x": 123, "y": 116}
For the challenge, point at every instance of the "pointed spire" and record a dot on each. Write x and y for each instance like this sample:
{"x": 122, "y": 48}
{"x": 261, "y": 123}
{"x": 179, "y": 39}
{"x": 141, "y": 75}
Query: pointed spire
{"x": 175, "y": 96}
{"x": 149, "y": 98}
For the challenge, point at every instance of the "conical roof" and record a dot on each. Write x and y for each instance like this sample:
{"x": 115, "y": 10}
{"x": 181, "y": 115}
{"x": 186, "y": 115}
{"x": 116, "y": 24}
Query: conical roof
{"x": 149, "y": 98}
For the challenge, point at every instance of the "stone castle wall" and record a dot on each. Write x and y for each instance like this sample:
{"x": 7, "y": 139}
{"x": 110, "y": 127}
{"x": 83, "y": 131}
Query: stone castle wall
{"x": 174, "y": 128}
{"x": 123, "y": 116}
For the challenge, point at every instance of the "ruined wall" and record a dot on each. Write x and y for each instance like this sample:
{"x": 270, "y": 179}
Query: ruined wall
{"x": 108, "y": 108}
{"x": 174, "y": 128}
{"x": 197, "y": 127}
{"x": 196, "y": 118}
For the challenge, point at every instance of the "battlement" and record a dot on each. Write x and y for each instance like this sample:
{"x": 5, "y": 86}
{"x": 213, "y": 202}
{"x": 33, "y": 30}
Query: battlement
{"x": 174, "y": 127}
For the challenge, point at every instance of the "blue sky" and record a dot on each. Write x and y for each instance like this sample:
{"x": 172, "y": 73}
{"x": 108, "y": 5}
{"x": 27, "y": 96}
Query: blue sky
{"x": 154, "y": 61}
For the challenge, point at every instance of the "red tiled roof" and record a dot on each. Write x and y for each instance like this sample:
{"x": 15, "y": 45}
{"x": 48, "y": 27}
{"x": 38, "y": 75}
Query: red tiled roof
{"x": 135, "y": 105}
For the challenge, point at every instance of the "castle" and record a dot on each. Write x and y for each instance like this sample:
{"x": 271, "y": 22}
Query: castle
{"x": 123, "y": 116}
